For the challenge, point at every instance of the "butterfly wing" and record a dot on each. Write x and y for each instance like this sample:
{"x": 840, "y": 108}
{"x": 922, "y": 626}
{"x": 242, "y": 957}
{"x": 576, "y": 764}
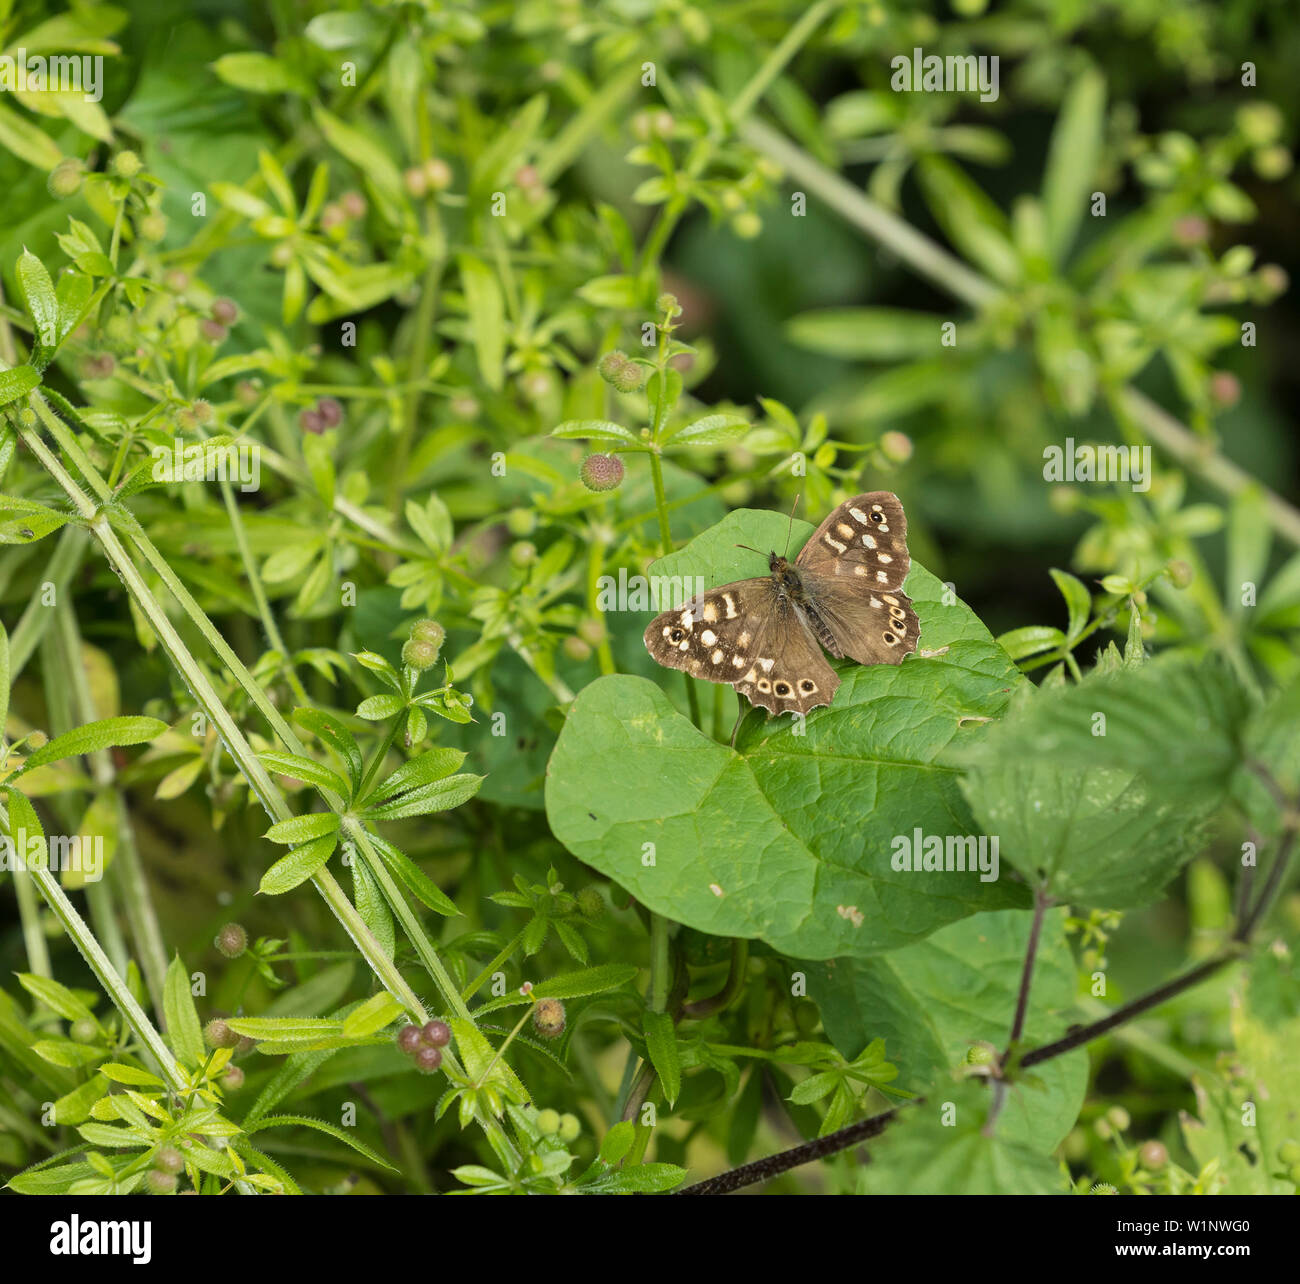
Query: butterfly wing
{"x": 746, "y": 635}
{"x": 853, "y": 569}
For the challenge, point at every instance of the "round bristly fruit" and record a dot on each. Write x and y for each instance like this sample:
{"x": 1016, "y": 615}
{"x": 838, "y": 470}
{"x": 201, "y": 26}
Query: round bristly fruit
{"x": 548, "y": 1122}
{"x": 601, "y": 472}
{"x": 232, "y": 940}
{"x": 408, "y": 1039}
{"x": 437, "y": 1034}
{"x": 548, "y": 1018}
{"x": 427, "y": 1060}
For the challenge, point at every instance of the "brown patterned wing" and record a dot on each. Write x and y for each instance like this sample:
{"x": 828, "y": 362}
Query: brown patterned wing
{"x": 743, "y": 634}
{"x": 853, "y": 569}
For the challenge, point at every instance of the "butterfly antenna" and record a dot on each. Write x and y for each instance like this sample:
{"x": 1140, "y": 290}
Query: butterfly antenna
{"x": 750, "y": 548}
{"x": 790, "y": 528}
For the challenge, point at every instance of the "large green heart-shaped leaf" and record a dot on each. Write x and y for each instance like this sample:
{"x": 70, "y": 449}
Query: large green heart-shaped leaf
{"x": 790, "y": 839}
{"x": 932, "y": 1000}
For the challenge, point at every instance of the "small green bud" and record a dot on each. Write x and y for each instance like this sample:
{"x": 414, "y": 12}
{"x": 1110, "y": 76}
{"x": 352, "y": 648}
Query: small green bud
{"x": 548, "y": 1122}
{"x": 979, "y": 1054}
{"x": 896, "y": 447}
{"x": 629, "y": 378}
{"x": 127, "y": 164}
{"x": 84, "y": 1031}
{"x": 437, "y": 173}
{"x": 667, "y": 304}
{"x": 217, "y": 1034}
{"x": 521, "y": 522}
{"x": 160, "y": 1183}
{"x": 576, "y": 649}
{"x": 523, "y": 554}
{"x": 169, "y": 1160}
{"x": 1179, "y": 573}
{"x": 233, "y": 1079}
{"x": 419, "y": 655}
{"x": 570, "y": 1128}
{"x": 65, "y": 179}
{"x": 37, "y": 740}
{"x": 429, "y": 631}
{"x": 1289, "y": 1151}
{"x": 1119, "y": 1117}
{"x": 591, "y": 904}
{"x": 1153, "y": 1155}
{"x": 153, "y": 227}
{"x": 611, "y": 364}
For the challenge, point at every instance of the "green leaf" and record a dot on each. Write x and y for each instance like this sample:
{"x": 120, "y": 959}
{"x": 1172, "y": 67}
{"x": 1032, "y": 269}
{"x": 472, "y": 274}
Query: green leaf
{"x": 788, "y": 839}
{"x": 712, "y": 430}
{"x": 661, "y": 1044}
{"x": 259, "y": 73}
{"x": 378, "y": 707}
{"x": 487, "y": 320}
{"x": 876, "y": 334}
{"x": 372, "y": 1016}
{"x": 570, "y": 985}
{"x": 17, "y": 383}
{"x": 1072, "y": 161}
{"x": 93, "y": 736}
{"x": 440, "y": 795}
{"x": 58, "y": 998}
{"x": 339, "y": 1134}
{"x": 26, "y": 141}
{"x": 43, "y": 305}
{"x": 330, "y": 731}
{"x": 433, "y": 764}
{"x": 1078, "y": 602}
{"x": 302, "y": 829}
{"x": 595, "y": 430}
{"x": 298, "y": 866}
{"x": 638, "y": 1179}
{"x": 285, "y": 1029}
{"x": 921, "y": 1153}
{"x": 931, "y": 1001}
{"x": 1030, "y": 640}
{"x": 50, "y": 1181}
{"x": 616, "y": 1143}
{"x": 971, "y": 221}
{"x": 305, "y": 769}
{"x": 418, "y": 883}
{"x": 118, "y": 1072}
{"x": 184, "y": 1032}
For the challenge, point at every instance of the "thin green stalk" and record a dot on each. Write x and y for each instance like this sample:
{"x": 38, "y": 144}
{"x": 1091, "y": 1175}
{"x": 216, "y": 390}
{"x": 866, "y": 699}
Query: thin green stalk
{"x": 775, "y": 62}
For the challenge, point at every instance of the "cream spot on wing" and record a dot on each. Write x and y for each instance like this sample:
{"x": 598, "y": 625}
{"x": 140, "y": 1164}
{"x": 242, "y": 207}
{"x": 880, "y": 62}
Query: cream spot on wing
{"x": 710, "y": 612}
{"x": 882, "y": 577}
{"x": 861, "y": 570}
{"x": 890, "y": 598}
{"x": 883, "y": 527}
{"x": 767, "y": 664}
{"x": 743, "y": 639}
{"x": 783, "y": 689}
{"x": 716, "y": 657}
{"x": 685, "y": 646}
{"x": 834, "y": 543}
{"x": 859, "y": 515}
{"x": 686, "y": 619}
{"x": 869, "y": 541}
{"x": 751, "y": 675}
{"x": 708, "y": 637}
{"x": 875, "y": 508}
{"x": 844, "y": 529}
{"x": 884, "y": 557}
{"x": 875, "y": 601}
{"x": 731, "y": 606}
{"x": 738, "y": 661}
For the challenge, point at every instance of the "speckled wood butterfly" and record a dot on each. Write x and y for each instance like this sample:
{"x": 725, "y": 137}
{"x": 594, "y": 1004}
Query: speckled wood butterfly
{"x": 765, "y": 636}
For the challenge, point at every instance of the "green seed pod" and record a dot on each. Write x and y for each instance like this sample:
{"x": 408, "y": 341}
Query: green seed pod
{"x": 419, "y": 655}
{"x": 601, "y": 472}
{"x": 548, "y": 1122}
{"x": 232, "y": 940}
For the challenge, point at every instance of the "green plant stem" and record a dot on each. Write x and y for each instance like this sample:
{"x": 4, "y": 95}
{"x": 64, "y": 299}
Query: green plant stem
{"x": 497, "y": 963}
{"x": 776, "y": 62}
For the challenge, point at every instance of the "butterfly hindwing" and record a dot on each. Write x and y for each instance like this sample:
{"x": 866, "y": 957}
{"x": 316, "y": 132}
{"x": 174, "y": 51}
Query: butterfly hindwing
{"x": 853, "y": 569}
{"x": 743, "y": 634}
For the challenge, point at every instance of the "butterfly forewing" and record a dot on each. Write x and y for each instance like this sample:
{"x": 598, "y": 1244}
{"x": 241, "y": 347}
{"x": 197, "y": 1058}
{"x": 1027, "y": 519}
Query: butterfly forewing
{"x": 744, "y": 634}
{"x": 853, "y": 569}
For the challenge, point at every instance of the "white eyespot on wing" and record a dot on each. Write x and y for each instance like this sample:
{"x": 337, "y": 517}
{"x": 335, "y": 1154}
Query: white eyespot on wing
{"x": 783, "y": 690}
{"x": 686, "y": 619}
{"x": 889, "y": 639}
{"x": 708, "y": 637}
{"x": 710, "y": 612}
{"x": 834, "y": 543}
{"x": 807, "y": 686}
{"x": 716, "y": 657}
{"x": 731, "y": 606}
{"x": 764, "y": 685}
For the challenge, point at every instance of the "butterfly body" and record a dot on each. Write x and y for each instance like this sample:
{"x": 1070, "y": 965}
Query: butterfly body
{"x": 765, "y": 636}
